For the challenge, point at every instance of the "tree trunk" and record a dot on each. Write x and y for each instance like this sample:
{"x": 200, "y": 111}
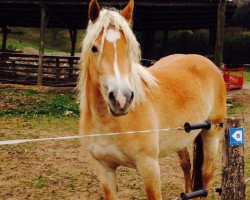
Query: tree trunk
{"x": 218, "y": 54}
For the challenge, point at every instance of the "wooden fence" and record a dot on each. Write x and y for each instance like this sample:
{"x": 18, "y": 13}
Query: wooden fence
{"x": 57, "y": 70}
{"x": 23, "y": 68}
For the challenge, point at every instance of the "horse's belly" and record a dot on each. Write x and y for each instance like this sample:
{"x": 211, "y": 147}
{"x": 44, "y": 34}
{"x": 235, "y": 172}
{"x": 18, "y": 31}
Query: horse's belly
{"x": 170, "y": 142}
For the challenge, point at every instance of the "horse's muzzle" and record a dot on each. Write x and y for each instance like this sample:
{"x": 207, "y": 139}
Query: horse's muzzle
{"x": 119, "y": 102}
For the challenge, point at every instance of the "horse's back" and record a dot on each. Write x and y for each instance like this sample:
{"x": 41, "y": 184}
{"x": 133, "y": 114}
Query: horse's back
{"x": 183, "y": 67}
{"x": 190, "y": 82}
{"x": 184, "y": 62}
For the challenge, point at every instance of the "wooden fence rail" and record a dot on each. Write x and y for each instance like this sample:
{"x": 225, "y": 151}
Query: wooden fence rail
{"x": 23, "y": 68}
{"x": 57, "y": 70}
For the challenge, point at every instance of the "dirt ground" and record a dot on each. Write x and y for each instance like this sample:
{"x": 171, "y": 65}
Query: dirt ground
{"x": 62, "y": 170}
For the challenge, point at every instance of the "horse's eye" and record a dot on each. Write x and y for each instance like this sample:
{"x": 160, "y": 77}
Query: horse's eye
{"x": 94, "y": 49}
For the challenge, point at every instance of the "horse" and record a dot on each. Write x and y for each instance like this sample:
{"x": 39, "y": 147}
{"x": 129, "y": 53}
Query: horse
{"x": 118, "y": 94}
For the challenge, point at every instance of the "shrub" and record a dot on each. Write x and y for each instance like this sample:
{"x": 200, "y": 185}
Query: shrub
{"x": 189, "y": 42}
{"x": 237, "y": 48}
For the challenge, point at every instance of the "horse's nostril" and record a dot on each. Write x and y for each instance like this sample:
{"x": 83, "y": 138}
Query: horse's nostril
{"x": 131, "y": 97}
{"x": 112, "y": 97}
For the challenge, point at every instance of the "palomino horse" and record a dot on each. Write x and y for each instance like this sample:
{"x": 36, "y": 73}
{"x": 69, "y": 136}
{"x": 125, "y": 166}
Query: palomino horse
{"x": 117, "y": 94}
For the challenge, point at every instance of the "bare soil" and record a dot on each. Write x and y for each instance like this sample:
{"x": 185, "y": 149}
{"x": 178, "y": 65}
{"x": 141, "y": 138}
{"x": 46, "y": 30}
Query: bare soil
{"x": 56, "y": 170}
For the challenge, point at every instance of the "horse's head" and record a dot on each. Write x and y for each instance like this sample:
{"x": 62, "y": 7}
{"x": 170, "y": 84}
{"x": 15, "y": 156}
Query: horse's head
{"x": 109, "y": 58}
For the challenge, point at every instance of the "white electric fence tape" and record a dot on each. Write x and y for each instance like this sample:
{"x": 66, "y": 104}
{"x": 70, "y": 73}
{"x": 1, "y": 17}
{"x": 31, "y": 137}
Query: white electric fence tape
{"x": 12, "y": 142}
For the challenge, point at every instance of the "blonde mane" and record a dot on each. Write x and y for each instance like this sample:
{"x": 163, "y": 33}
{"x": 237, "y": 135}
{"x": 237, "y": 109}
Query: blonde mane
{"x": 140, "y": 78}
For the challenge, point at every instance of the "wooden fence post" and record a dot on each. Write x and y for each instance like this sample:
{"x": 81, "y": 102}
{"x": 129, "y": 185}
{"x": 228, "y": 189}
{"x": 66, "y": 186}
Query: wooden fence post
{"x": 13, "y": 66}
{"x": 44, "y": 21}
{"x": 5, "y": 35}
{"x": 233, "y": 183}
{"x": 57, "y": 70}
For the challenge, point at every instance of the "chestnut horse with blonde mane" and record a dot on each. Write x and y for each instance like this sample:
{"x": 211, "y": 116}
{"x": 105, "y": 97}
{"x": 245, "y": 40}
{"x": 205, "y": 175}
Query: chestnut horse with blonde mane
{"x": 117, "y": 94}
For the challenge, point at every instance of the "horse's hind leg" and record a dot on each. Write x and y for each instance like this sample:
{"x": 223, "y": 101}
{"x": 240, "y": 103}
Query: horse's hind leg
{"x": 205, "y": 150}
{"x": 149, "y": 170}
{"x": 210, "y": 141}
{"x": 186, "y": 167}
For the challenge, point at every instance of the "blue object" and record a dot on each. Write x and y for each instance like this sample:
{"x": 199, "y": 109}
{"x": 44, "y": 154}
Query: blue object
{"x": 236, "y": 136}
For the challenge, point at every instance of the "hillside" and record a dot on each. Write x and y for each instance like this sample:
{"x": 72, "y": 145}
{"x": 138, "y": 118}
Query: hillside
{"x": 56, "y": 40}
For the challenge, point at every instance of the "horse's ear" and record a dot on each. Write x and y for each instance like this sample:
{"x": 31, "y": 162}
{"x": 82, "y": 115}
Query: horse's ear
{"x": 127, "y": 12}
{"x": 94, "y": 10}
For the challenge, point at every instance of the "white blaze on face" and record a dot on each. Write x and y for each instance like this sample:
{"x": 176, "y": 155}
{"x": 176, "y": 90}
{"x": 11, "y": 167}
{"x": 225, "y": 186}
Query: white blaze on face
{"x": 121, "y": 99}
{"x": 112, "y": 36}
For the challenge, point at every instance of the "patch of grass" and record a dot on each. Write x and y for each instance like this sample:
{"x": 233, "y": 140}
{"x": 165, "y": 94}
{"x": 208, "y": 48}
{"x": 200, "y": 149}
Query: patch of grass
{"x": 28, "y": 102}
{"x": 21, "y": 127}
{"x": 247, "y": 76}
{"x": 55, "y": 40}
{"x": 37, "y": 182}
{"x": 247, "y": 168}
{"x": 20, "y": 45}
{"x": 248, "y": 190}
{"x": 235, "y": 109}
{"x": 48, "y": 123}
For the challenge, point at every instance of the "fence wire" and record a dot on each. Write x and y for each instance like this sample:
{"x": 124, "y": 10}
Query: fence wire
{"x": 12, "y": 142}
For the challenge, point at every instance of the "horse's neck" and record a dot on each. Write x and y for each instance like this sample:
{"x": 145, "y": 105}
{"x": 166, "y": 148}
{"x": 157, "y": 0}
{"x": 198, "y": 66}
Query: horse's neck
{"x": 95, "y": 115}
{"x": 94, "y": 102}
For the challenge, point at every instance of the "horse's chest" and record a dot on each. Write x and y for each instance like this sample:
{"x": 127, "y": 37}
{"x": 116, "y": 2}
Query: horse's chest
{"x": 108, "y": 152}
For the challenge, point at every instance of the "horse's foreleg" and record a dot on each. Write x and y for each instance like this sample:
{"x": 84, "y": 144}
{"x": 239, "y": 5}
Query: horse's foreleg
{"x": 210, "y": 141}
{"x": 150, "y": 172}
{"x": 186, "y": 167}
{"x": 107, "y": 177}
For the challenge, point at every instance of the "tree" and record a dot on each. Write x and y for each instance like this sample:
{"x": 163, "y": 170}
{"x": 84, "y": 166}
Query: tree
{"x": 241, "y": 17}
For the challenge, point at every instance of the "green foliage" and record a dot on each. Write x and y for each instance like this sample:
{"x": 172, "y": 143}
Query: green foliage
{"x": 189, "y": 42}
{"x": 11, "y": 47}
{"x": 32, "y": 103}
{"x": 237, "y": 48}
{"x": 241, "y": 16}
{"x": 246, "y": 76}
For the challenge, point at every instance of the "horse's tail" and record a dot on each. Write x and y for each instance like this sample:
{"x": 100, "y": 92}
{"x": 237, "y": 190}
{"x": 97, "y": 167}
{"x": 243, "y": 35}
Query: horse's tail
{"x": 197, "y": 164}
